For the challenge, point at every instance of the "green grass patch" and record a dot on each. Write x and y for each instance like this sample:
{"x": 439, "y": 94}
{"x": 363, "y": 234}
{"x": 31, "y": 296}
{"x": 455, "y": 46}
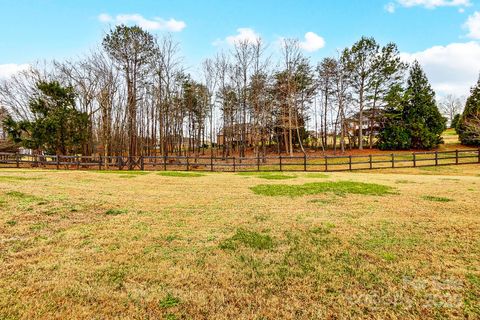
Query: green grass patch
{"x": 25, "y": 198}
{"x": 180, "y": 174}
{"x": 115, "y": 212}
{"x": 340, "y": 187}
{"x": 15, "y": 178}
{"x": 169, "y": 301}
{"x": 436, "y": 199}
{"x": 249, "y": 239}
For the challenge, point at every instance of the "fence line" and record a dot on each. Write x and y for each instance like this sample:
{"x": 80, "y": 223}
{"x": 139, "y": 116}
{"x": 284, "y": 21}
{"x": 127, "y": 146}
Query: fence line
{"x": 238, "y": 164}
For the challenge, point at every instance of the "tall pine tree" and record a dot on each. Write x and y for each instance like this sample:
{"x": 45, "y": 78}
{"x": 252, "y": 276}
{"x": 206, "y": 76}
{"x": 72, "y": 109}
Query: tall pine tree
{"x": 468, "y": 126}
{"x": 413, "y": 119}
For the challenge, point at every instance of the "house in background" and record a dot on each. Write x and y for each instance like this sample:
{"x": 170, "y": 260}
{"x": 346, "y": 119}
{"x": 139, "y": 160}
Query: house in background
{"x": 233, "y": 135}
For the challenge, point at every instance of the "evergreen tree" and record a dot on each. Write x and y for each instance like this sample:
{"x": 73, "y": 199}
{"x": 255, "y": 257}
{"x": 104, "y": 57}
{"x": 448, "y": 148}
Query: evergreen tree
{"x": 456, "y": 121}
{"x": 469, "y": 124}
{"x": 413, "y": 120}
{"x": 57, "y": 126}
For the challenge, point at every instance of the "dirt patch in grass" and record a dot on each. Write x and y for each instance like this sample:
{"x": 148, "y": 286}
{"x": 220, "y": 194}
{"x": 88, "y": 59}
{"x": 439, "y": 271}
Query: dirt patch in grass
{"x": 339, "y": 187}
{"x": 402, "y": 181}
{"x": 317, "y": 176}
{"x": 436, "y": 199}
{"x": 267, "y": 175}
{"x": 251, "y": 239}
{"x": 180, "y": 174}
{"x": 121, "y": 172}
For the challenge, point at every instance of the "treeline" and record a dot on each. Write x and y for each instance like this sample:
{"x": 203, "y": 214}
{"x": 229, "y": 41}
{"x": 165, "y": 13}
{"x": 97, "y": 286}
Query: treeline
{"x": 134, "y": 97}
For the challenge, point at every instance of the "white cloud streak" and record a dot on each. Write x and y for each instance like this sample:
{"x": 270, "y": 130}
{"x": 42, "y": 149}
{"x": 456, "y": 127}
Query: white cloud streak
{"x": 452, "y": 69}
{"x": 472, "y": 25}
{"x": 147, "y": 24}
{"x": 8, "y": 70}
{"x": 243, "y": 34}
{"x": 428, "y": 4}
{"x": 313, "y": 42}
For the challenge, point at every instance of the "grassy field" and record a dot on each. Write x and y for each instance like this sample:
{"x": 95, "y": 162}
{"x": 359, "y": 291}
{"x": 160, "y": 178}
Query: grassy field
{"x": 386, "y": 244}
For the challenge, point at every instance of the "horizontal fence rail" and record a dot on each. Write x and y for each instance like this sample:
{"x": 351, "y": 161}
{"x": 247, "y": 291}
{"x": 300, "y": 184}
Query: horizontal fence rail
{"x": 239, "y": 164}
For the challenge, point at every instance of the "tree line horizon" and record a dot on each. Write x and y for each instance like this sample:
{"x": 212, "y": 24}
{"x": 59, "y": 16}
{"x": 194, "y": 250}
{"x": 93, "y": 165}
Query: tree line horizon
{"x": 133, "y": 97}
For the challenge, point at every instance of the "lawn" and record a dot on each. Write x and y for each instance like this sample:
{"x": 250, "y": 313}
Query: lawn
{"x": 385, "y": 244}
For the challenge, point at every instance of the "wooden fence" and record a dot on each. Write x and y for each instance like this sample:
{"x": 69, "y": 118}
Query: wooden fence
{"x": 238, "y": 164}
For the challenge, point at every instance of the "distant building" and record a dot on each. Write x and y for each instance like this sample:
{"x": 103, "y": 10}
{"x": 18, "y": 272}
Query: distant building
{"x": 372, "y": 120}
{"x": 234, "y": 135}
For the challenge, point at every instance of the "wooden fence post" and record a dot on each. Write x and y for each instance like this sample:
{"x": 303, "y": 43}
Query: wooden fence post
{"x": 370, "y": 160}
{"x": 188, "y": 164}
{"x": 350, "y": 162}
{"x": 326, "y": 163}
{"x": 393, "y": 160}
{"x": 234, "y": 164}
{"x": 304, "y": 162}
{"x": 414, "y": 159}
{"x": 456, "y": 156}
{"x": 119, "y": 162}
{"x": 142, "y": 163}
{"x": 281, "y": 169}
{"x": 78, "y": 163}
{"x": 100, "y": 162}
{"x": 436, "y": 158}
{"x": 17, "y": 160}
{"x": 58, "y": 161}
{"x": 164, "y": 163}
{"x": 211, "y": 162}
{"x": 258, "y": 162}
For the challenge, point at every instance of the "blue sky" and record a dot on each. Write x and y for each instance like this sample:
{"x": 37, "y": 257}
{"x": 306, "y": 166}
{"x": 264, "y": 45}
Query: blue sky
{"x": 442, "y": 34}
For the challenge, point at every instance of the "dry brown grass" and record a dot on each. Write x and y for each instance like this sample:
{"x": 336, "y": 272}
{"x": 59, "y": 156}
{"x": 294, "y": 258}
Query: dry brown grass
{"x": 86, "y": 245}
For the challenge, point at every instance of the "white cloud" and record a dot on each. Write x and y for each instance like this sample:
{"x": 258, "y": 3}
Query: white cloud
{"x": 428, "y": 4}
{"x": 243, "y": 34}
{"x": 7, "y": 70}
{"x": 153, "y": 24}
{"x": 312, "y": 42}
{"x": 451, "y": 69}
{"x": 431, "y": 4}
{"x": 473, "y": 26}
{"x": 390, "y": 7}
